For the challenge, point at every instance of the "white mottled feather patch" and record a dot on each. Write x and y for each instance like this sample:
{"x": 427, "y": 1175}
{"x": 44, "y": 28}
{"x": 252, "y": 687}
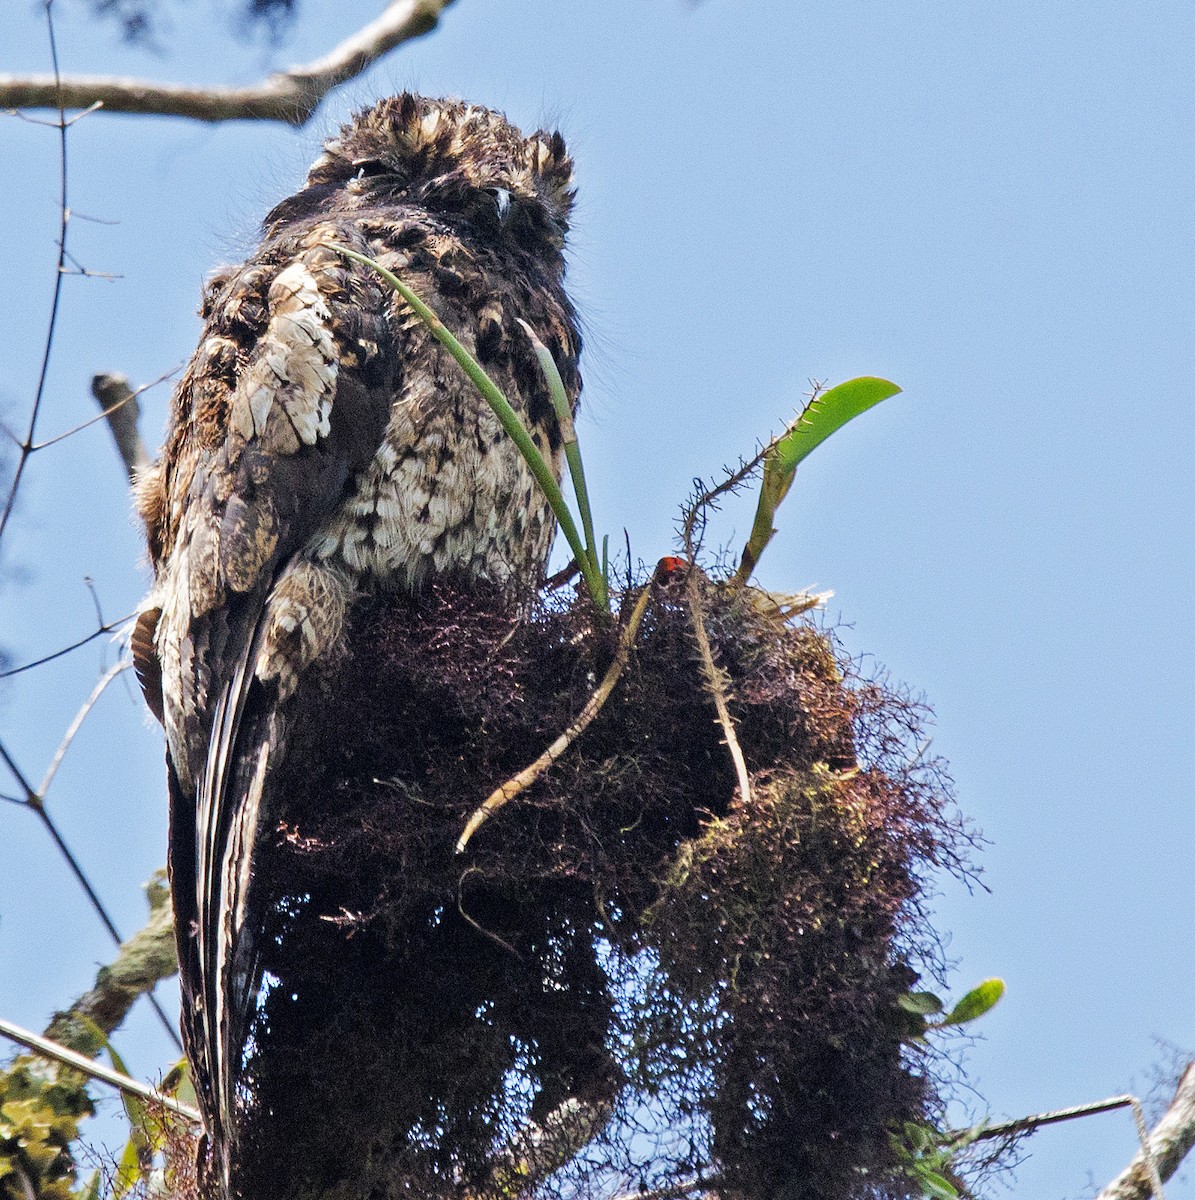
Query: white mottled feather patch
{"x": 286, "y": 394}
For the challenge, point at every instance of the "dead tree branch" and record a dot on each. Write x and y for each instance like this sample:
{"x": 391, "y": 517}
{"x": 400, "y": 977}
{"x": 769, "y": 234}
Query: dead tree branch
{"x": 291, "y": 96}
{"x": 1169, "y": 1142}
{"x": 122, "y": 411}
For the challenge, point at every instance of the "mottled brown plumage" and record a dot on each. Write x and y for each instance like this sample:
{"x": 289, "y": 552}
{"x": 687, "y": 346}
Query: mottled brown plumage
{"x": 323, "y": 446}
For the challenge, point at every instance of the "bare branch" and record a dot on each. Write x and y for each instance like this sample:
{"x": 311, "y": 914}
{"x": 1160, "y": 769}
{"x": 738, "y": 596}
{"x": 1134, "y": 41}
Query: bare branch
{"x": 291, "y": 96}
{"x": 1035, "y": 1122}
{"x": 1172, "y": 1138}
{"x": 79, "y": 1062}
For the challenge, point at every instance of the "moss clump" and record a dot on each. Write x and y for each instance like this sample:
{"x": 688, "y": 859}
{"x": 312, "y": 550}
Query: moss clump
{"x": 632, "y": 978}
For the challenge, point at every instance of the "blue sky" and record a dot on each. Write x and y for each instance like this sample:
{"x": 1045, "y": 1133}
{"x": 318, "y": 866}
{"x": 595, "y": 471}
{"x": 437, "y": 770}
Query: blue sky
{"x": 991, "y": 205}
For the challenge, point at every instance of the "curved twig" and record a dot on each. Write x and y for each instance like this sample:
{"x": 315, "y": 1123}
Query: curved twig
{"x": 96, "y": 692}
{"x": 526, "y": 777}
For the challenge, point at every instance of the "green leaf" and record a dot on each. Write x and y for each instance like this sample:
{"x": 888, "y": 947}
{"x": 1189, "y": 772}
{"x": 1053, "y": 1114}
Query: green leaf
{"x": 976, "y": 1002}
{"x": 936, "y": 1186}
{"x": 178, "y": 1083}
{"x": 923, "y": 1004}
{"x": 128, "y": 1171}
{"x": 595, "y": 578}
{"x": 825, "y": 414}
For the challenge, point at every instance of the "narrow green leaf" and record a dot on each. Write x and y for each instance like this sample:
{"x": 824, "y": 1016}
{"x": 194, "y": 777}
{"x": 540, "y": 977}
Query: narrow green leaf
{"x": 128, "y": 1170}
{"x": 511, "y": 422}
{"x": 595, "y": 578}
{"x": 178, "y": 1083}
{"x": 102, "y": 1039}
{"x": 976, "y": 1002}
{"x": 134, "y": 1107}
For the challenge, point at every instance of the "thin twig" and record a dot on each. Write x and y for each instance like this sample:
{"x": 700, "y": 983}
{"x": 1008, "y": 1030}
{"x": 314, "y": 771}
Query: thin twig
{"x": 1159, "y": 1155}
{"x": 96, "y": 692}
{"x": 54, "y": 96}
{"x": 291, "y": 96}
{"x": 101, "y": 383}
{"x": 35, "y": 802}
{"x": 106, "y": 627}
{"x": 95, "y": 1070}
{"x": 714, "y": 678}
{"x": 526, "y": 777}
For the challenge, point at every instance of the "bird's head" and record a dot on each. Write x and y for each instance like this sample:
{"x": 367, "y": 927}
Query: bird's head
{"x": 460, "y": 161}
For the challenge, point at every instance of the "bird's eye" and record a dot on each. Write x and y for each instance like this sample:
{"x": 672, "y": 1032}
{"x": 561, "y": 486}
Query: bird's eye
{"x": 501, "y": 201}
{"x": 370, "y": 166}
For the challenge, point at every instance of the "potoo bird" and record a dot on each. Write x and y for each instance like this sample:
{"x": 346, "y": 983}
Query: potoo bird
{"x": 323, "y": 446}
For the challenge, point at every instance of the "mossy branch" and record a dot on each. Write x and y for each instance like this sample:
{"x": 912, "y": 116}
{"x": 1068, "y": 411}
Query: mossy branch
{"x": 41, "y": 1103}
{"x": 144, "y": 960}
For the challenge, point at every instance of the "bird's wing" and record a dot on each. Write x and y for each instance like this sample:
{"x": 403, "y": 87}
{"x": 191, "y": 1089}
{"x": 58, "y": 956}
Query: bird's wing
{"x": 287, "y": 397}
